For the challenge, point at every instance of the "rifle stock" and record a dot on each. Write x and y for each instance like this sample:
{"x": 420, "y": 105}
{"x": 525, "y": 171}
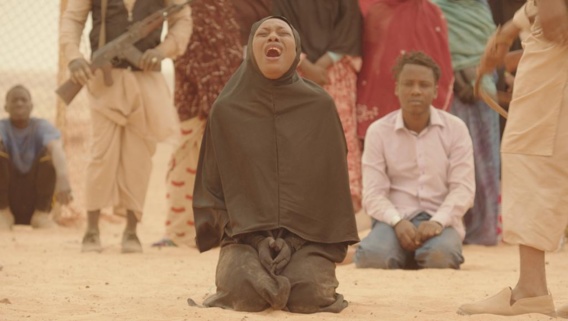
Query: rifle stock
{"x": 121, "y": 47}
{"x": 68, "y": 90}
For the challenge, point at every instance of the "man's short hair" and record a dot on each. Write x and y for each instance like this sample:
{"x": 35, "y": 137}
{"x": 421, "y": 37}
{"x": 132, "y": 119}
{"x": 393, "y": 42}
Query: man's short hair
{"x": 18, "y": 86}
{"x": 416, "y": 58}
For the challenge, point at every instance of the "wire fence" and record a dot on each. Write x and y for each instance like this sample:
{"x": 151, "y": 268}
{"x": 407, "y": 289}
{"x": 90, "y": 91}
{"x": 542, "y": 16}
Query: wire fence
{"x": 30, "y": 56}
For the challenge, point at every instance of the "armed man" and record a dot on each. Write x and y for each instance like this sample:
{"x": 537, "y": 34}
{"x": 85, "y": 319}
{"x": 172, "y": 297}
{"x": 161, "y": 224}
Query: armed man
{"x": 130, "y": 103}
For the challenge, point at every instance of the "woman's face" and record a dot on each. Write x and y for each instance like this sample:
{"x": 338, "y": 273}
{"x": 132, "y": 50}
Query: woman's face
{"x": 274, "y": 48}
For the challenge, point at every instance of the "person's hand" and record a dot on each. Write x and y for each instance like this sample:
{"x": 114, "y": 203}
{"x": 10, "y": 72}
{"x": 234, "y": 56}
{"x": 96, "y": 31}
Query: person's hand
{"x": 63, "y": 193}
{"x": 265, "y": 253}
{"x": 428, "y": 229}
{"x": 324, "y": 61}
{"x": 463, "y": 88}
{"x": 315, "y": 73}
{"x": 284, "y": 254}
{"x": 496, "y": 49}
{"x": 64, "y": 197}
{"x": 406, "y": 233}
{"x": 151, "y": 59}
{"x": 80, "y": 71}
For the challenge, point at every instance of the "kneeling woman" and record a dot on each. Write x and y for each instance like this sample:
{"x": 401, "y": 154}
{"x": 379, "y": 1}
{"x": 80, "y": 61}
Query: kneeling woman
{"x": 272, "y": 187}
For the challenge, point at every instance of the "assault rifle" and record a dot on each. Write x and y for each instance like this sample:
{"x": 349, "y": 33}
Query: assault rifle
{"x": 121, "y": 47}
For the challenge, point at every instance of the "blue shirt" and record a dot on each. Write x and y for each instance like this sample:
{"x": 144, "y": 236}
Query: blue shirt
{"x": 24, "y": 145}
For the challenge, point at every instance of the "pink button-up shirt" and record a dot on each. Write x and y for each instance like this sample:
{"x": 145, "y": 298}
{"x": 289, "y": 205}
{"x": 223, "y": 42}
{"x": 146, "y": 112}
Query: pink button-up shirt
{"x": 405, "y": 173}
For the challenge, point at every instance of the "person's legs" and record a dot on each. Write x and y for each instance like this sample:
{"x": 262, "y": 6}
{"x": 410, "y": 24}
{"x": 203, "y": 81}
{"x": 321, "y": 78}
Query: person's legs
{"x": 381, "y": 249}
{"x": 530, "y": 295}
{"x": 91, "y": 239}
{"x": 243, "y": 284}
{"x": 311, "y": 272}
{"x": 532, "y": 276}
{"x": 130, "y": 241}
{"x": 44, "y": 188}
{"x": 22, "y": 195}
{"x": 440, "y": 252}
{"x": 180, "y": 230}
{"x": 6, "y": 217}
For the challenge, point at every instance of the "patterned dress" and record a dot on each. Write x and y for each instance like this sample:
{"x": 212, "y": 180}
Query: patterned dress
{"x": 213, "y": 54}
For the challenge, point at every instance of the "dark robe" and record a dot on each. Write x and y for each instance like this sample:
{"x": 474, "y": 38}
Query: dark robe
{"x": 273, "y": 158}
{"x": 324, "y": 25}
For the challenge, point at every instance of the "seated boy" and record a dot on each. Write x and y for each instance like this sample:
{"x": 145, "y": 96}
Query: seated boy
{"x": 32, "y": 165}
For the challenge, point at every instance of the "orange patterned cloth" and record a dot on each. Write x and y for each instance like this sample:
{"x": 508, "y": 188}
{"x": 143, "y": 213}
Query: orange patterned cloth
{"x": 343, "y": 89}
{"x": 181, "y": 176}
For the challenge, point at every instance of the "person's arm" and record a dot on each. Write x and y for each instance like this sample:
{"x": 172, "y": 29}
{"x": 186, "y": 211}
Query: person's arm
{"x": 180, "y": 27}
{"x": 62, "y": 186}
{"x": 376, "y": 182}
{"x": 553, "y": 16}
{"x": 461, "y": 179}
{"x": 70, "y": 31}
{"x": 314, "y": 72}
{"x": 498, "y": 46}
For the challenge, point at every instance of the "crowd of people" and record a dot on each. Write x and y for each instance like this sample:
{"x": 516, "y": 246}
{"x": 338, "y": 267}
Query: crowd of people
{"x": 292, "y": 116}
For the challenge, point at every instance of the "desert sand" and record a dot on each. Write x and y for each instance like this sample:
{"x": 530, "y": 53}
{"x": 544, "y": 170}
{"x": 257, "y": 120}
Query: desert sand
{"x": 45, "y": 277}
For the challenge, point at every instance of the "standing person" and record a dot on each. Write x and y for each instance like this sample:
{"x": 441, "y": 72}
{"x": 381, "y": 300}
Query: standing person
{"x": 534, "y": 154}
{"x": 470, "y": 25}
{"x": 32, "y": 165}
{"x": 418, "y": 177}
{"x": 331, "y": 42}
{"x": 129, "y": 117}
{"x": 272, "y": 187}
{"x": 248, "y": 12}
{"x": 392, "y": 27}
{"x": 213, "y": 53}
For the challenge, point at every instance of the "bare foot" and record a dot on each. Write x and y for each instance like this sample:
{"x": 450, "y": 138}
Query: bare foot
{"x": 91, "y": 242}
{"x": 6, "y": 220}
{"x": 131, "y": 243}
{"x": 42, "y": 220}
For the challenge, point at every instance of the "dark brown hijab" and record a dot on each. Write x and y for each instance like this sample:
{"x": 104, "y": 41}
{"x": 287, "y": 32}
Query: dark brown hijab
{"x": 273, "y": 156}
{"x": 324, "y": 25}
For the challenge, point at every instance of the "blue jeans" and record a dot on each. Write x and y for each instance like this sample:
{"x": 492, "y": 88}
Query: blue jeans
{"x": 381, "y": 249}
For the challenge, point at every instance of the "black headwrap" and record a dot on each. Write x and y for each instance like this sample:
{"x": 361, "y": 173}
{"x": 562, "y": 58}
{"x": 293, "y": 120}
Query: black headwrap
{"x": 324, "y": 25}
{"x": 273, "y": 156}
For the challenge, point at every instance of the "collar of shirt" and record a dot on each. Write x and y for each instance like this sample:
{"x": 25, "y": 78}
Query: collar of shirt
{"x": 435, "y": 119}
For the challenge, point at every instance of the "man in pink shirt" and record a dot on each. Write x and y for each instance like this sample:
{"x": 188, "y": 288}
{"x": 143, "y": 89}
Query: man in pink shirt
{"x": 418, "y": 177}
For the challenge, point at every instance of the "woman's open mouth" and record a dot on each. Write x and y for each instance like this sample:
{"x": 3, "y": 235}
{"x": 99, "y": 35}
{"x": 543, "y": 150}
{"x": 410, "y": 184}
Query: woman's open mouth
{"x": 273, "y": 52}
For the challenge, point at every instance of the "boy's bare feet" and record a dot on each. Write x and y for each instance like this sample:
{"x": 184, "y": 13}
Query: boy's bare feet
{"x": 6, "y": 219}
{"x": 42, "y": 220}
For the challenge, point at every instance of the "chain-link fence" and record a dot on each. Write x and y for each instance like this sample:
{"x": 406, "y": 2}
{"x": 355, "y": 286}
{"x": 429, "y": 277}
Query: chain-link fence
{"x": 29, "y": 55}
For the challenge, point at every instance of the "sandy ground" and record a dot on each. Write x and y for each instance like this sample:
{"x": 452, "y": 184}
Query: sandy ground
{"x": 45, "y": 277}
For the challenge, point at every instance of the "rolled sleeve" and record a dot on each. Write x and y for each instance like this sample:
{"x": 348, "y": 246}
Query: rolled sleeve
{"x": 71, "y": 27}
{"x": 180, "y": 27}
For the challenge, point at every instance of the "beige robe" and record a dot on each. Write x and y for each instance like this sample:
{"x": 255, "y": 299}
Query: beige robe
{"x": 128, "y": 118}
{"x": 535, "y": 146}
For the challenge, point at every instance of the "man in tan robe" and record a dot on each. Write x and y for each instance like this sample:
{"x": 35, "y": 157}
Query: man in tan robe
{"x": 534, "y": 154}
{"x": 130, "y": 116}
